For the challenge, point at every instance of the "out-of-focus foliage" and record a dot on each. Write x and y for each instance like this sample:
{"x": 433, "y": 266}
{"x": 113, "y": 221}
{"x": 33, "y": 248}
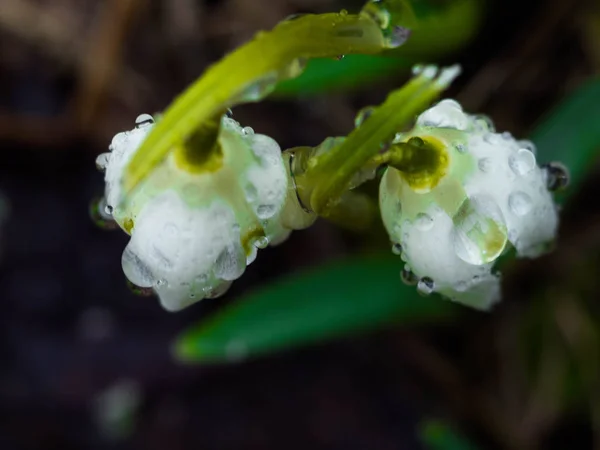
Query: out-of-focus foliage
{"x": 437, "y": 435}
{"x": 336, "y": 299}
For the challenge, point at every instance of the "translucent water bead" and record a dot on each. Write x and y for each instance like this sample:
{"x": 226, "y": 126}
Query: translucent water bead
{"x": 493, "y": 195}
{"x": 192, "y": 234}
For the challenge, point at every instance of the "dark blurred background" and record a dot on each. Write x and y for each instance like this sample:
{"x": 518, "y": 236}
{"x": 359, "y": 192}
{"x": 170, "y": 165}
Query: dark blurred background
{"x": 84, "y": 363}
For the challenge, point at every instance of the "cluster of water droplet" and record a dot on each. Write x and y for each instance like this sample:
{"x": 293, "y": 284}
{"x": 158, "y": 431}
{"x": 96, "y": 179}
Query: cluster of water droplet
{"x": 492, "y": 196}
{"x": 192, "y": 234}
{"x": 391, "y": 17}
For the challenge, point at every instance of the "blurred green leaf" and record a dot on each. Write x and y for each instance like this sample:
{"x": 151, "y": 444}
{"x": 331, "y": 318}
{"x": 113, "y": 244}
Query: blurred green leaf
{"x": 570, "y": 133}
{"x": 436, "y": 435}
{"x": 336, "y": 299}
{"x": 441, "y": 30}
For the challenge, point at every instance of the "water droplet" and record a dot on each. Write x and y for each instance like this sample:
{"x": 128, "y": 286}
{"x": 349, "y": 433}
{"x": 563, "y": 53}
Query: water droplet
{"x": 460, "y": 148}
{"x": 527, "y": 145}
{"x": 265, "y": 211}
{"x": 397, "y": 249}
{"x": 486, "y": 165}
{"x": 388, "y": 15}
{"x": 417, "y": 69}
{"x": 229, "y": 113}
{"x": 339, "y": 57}
{"x": 398, "y": 36}
{"x": 247, "y": 131}
{"x": 522, "y": 162}
{"x": 102, "y": 161}
{"x": 461, "y": 286}
{"x": 108, "y": 210}
{"x": 479, "y": 234}
{"x": 556, "y": 176}
{"x": 230, "y": 264}
{"x": 343, "y": 13}
{"x": 144, "y": 120}
{"x": 484, "y": 123}
{"x": 416, "y": 142}
{"x": 363, "y": 115}
{"x": 261, "y": 242}
{"x": 259, "y": 89}
{"x": 424, "y": 222}
{"x": 493, "y": 139}
{"x": 101, "y": 216}
{"x": 408, "y": 277}
{"x": 140, "y": 291}
{"x": 519, "y": 203}
{"x": 250, "y": 192}
{"x": 160, "y": 283}
{"x": 425, "y": 286}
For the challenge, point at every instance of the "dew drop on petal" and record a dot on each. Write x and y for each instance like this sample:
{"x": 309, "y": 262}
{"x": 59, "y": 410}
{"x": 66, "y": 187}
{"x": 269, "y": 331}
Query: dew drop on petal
{"x": 397, "y": 249}
{"x": 519, "y": 203}
{"x": 363, "y": 115}
{"x": 479, "y": 233}
{"x": 522, "y": 162}
{"x": 261, "y": 242}
{"x": 230, "y": 263}
{"x": 247, "y": 131}
{"x": 144, "y": 120}
{"x": 486, "y": 165}
{"x": 102, "y": 161}
{"x": 100, "y": 215}
{"x": 424, "y": 222}
{"x": 556, "y": 176}
{"x": 266, "y": 211}
{"x": 425, "y": 286}
{"x": 408, "y": 277}
{"x": 484, "y": 123}
{"x": 460, "y": 148}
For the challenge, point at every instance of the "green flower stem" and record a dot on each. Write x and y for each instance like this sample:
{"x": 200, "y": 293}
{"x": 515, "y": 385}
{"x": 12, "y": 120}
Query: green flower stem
{"x": 250, "y": 73}
{"x": 328, "y": 175}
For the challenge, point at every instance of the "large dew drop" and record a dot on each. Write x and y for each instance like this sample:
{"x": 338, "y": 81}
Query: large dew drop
{"x": 522, "y": 162}
{"x": 479, "y": 234}
{"x": 231, "y": 263}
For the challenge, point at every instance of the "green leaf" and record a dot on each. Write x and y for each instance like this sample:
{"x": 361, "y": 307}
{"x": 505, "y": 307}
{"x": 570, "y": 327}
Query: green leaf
{"x": 570, "y": 133}
{"x": 333, "y": 300}
{"x": 441, "y": 31}
{"x": 436, "y": 435}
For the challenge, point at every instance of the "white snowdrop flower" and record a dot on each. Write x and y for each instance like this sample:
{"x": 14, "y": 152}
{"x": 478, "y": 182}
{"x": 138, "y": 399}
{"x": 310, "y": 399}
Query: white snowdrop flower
{"x": 192, "y": 234}
{"x": 489, "y": 195}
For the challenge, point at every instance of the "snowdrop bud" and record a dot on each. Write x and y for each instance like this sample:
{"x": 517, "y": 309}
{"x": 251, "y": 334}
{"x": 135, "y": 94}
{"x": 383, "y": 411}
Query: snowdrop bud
{"x": 192, "y": 234}
{"x": 491, "y": 195}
